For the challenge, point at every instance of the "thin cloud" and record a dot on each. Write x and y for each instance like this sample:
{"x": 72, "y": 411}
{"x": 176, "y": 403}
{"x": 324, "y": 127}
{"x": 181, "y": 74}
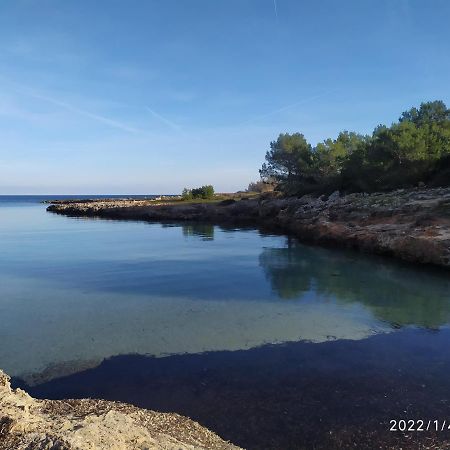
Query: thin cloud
{"x": 25, "y": 90}
{"x": 275, "y": 6}
{"x": 287, "y": 107}
{"x": 163, "y": 119}
{"x": 83, "y": 112}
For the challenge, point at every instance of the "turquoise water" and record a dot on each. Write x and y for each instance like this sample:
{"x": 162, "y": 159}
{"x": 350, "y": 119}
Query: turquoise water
{"x": 76, "y": 291}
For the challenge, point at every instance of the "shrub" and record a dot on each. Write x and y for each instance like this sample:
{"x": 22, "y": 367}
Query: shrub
{"x": 204, "y": 192}
{"x": 186, "y": 194}
{"x": 261, "y": 186}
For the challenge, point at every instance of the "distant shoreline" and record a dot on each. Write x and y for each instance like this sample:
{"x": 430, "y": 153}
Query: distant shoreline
{"x": 412, "y": 225}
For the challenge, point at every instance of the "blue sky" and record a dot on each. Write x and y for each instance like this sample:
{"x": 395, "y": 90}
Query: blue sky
{"x": 149, "y": 96}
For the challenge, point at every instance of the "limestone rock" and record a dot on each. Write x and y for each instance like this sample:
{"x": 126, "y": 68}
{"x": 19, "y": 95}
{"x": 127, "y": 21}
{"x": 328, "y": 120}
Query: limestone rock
{"x": 30, "y": 424}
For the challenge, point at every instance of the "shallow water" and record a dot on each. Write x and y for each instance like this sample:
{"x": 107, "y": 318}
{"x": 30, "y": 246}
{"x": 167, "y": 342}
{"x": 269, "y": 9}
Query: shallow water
{"x": 76, "y": 291}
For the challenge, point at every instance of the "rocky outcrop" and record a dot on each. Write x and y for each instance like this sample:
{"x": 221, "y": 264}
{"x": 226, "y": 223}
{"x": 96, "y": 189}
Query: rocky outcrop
{"x": 30, "y": 424}
{"x": 413, "y": 225}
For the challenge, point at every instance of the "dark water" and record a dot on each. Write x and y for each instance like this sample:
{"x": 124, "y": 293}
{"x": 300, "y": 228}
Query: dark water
{"x": 274, "y": 344}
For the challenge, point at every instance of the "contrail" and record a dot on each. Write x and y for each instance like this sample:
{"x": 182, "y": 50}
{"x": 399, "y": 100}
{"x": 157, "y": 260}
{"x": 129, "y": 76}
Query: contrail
{"x": 163, "y": 119}
{"x": 284, "y": 108}
{"x": 275, "y": 6}
{"x": 112, "y": 123}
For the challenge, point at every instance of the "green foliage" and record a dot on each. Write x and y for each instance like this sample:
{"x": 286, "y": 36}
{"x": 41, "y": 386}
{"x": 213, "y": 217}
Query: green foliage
{"x": 203, "y": 192}
{"x": 429, "y": 112}
{"x": 290, "y": 161}
{"x": 415, "y": 149}
{"x": 186, "y": 194}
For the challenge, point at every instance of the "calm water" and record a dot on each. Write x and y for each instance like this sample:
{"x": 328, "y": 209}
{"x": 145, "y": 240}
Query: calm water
{"x": 76, "y": 292}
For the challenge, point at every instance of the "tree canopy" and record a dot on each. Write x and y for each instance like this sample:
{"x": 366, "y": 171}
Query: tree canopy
{"x": 416, "y": 149}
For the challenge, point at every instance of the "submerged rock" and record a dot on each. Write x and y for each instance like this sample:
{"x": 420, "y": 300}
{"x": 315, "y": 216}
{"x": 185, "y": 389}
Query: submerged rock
{"x": 30, "y": 424}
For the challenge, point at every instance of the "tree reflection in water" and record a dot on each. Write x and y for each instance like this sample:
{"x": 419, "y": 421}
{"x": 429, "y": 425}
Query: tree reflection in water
{"x": 204, "y": 231}
{"x": 396, "y": 293}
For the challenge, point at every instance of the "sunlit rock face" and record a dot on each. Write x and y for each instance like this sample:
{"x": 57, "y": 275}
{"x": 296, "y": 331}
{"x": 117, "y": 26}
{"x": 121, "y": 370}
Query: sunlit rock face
{"x": 30, "y": 424}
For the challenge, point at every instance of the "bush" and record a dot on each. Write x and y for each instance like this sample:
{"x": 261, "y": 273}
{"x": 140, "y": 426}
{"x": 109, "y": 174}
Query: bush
{"x": 261, "y": 186}
{"x": 186, "y": 194}
{"x": 203, "y": 192}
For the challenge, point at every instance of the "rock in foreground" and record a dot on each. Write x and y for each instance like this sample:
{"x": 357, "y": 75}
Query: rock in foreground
{"x": 30, "y": 424}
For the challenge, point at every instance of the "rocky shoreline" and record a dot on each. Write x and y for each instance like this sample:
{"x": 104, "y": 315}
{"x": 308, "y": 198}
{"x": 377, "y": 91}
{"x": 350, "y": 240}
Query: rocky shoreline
{"x": 30, "y": 424}
{"x": 412, "y": 225}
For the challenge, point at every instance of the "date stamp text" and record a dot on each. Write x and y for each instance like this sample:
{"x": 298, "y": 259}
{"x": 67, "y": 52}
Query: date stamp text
{"x": 419, "y": 425}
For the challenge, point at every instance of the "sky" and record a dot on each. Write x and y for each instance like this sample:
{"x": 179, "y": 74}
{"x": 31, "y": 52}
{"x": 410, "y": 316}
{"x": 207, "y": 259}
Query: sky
{"x": 150, "y": 96}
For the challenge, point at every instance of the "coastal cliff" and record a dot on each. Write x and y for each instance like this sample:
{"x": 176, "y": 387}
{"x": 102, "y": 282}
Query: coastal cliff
{"x": 30, "y": 424}
{"x": 413, "y": 225}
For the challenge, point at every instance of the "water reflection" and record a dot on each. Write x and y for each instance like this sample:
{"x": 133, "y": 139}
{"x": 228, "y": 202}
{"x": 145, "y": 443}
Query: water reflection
{"x": 204, "y": 231}
{"x": 75, "y": 292}
{"x": 394, "y": 293}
